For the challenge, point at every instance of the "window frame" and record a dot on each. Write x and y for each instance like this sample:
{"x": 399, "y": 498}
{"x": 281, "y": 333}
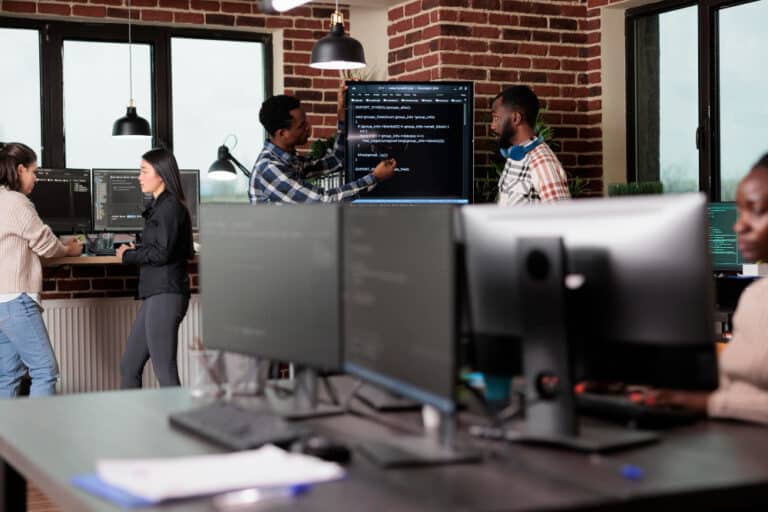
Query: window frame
{"x": 54, "y": 33}
{"x": 707, "y": 136}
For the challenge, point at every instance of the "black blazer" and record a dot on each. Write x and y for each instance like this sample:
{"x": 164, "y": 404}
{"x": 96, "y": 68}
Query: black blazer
{"x": 166, "y": 245}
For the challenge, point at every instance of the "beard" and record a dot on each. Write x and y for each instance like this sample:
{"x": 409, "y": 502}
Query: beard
{"x": 508, "y": 133}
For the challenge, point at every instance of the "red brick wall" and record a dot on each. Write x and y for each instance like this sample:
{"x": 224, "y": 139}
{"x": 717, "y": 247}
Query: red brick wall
{"x": 317, "y": 89}
{"x": 553, "y": 46}
{"x": 302, "y": 27}
{"x": 89, "y": 281}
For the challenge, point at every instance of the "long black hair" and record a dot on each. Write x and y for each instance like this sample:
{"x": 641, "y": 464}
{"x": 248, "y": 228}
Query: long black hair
{"x": 13, "y": 154}
{"x": 167, "y": 168}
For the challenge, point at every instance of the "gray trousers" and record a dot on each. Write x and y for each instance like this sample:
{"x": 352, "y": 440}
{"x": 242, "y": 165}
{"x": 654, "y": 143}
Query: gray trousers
{"x": 154, "y": 335}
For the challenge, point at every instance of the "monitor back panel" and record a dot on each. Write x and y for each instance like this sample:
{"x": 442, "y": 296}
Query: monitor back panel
{"x": 270, "y": 281}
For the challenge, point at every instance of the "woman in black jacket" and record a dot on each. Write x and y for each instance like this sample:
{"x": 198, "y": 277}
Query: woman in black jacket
{"x": 166, "y": 245}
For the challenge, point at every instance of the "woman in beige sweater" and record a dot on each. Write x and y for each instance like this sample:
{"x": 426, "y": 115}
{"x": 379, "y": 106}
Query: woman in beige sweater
{"x": 743, "y": 392}
{"x": 24, "y": 238}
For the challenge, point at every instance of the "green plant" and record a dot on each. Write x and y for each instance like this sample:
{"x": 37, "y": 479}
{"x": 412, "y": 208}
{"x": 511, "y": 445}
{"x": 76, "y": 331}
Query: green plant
{"x": 320, "y": 147}
{"x": 635, "y": 188}
{"x": 578, "y": 186}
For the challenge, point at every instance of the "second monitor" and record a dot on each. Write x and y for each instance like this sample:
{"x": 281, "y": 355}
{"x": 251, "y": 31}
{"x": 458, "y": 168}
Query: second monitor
{"x": 118, "y": 201}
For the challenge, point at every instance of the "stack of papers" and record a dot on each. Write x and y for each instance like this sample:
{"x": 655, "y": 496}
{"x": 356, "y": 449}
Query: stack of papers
{"x": 157, "y": 480}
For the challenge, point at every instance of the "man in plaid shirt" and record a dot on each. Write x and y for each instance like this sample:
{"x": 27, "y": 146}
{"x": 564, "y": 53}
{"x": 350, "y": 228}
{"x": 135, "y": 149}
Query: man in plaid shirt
{"x": 532, "y": 173}
{"x": 279, "y": 173}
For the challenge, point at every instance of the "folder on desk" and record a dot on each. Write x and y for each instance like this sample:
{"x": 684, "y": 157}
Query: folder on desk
{"x": 158, "y": 480}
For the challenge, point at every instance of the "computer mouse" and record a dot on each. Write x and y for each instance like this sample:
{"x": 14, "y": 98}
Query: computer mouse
{"x": 322, "y": 448}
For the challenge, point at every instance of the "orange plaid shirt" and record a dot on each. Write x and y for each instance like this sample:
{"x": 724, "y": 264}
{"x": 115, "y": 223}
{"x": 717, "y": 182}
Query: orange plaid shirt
{"x": 538, "y": 177}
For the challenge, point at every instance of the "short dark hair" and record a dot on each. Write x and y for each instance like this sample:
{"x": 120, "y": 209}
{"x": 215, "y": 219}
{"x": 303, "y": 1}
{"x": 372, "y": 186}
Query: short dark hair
{"x": 762, "y": 163}
{"x": 275, "y": 113}
{"x": 522, "y": 99}
{"x": 13, "y": 154}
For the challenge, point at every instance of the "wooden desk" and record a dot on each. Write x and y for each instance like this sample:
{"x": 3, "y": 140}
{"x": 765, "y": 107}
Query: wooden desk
{"x": 82, "y": 260}
{"x": 89, "y": 260}
{"x": 709, "y": 466}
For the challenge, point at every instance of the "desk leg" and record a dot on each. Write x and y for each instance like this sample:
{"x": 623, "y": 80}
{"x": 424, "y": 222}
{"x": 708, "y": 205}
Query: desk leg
{"x": 13, "y": 489}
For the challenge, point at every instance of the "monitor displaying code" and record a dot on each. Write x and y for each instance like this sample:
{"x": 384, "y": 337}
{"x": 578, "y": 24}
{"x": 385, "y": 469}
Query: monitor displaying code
{"x": 723, "y": 243}
{"x": 62, "y": 198}
{"x": 427, "y": 127}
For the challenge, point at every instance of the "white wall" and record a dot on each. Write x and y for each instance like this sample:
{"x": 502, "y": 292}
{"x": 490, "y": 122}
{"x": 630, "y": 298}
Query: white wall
{"x": 369, "y": 26}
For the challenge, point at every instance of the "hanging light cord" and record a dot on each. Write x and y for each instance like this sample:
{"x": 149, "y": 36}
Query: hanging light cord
{"x": 130, "y": 55}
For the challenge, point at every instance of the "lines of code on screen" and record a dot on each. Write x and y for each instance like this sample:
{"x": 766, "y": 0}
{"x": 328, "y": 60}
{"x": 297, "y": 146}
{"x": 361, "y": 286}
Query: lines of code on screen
{"x": 426, "y": 127}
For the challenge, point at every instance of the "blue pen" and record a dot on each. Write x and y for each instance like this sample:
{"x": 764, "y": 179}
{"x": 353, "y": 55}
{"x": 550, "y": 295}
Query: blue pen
{"x": 248, "y": 497}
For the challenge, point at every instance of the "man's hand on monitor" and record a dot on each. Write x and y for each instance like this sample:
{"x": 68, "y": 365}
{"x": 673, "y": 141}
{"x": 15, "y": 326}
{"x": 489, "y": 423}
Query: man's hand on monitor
{"x": 385, "y": 169}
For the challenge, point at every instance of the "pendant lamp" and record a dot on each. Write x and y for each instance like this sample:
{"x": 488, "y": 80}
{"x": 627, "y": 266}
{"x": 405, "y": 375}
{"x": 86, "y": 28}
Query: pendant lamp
{"x": 131, "y": 124}
{"x": 337, "y": 50}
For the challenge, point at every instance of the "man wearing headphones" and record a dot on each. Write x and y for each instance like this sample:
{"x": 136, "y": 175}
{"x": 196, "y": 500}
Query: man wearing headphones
{"x": 532, "y": 173}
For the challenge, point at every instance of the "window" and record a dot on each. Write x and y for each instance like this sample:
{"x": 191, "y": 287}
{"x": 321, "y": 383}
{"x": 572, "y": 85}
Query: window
{"x": 694, "y": 93}
{"x": 20, "y": 88}
{"x": 743, "y": 44}
{"x": 94, "y": 100}
{"x": 75, "y": 85}
{"x": 218, "y": 88}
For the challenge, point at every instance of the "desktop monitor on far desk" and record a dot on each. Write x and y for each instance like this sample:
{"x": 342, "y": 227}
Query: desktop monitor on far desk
{"x": 723, "y": 243}
{"x": 608, "y": 290}
{"x": 118, "y": 202}
{"x": 62, "y": 198}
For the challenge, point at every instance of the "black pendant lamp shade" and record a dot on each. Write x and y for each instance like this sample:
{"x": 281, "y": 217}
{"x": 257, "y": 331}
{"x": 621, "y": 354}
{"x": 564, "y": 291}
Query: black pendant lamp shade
{"x": 337, "y": 50}
{"x": 131, "y": 124}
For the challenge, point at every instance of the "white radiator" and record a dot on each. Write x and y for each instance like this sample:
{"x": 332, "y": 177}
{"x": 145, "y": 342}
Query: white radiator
{"x": 88, "y": 336}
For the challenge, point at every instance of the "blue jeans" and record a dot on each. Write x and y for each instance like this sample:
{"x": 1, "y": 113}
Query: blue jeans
{"x": 24, "y": 343}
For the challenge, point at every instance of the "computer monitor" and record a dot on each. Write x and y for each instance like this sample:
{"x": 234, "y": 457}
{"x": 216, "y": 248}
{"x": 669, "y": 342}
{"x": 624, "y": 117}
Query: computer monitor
{"x": 62, "y": 198}
{"x": 400, "y": 314}
{"x": 605, "y": 289}
{"x": 426, "y": 126}
{"x": 270, "y": 284}
{"x": 190, "y": 183}
{"x": 723, "y": 244}
{"x": 117, "y": 200}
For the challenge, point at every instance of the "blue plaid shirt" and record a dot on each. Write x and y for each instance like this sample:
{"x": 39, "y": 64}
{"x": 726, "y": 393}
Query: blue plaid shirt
{"x": 279, "y": 177}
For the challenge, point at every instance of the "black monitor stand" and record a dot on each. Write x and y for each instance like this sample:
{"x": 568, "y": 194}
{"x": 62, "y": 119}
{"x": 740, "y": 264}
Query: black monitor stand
{"x": 547, "y": 358}
{"x": 303, "y": 401}
{"x": 420, "y": 450}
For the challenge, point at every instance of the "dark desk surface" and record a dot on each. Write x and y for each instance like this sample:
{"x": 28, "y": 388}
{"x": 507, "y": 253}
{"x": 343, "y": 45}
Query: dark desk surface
{"x": 48, "y": 440}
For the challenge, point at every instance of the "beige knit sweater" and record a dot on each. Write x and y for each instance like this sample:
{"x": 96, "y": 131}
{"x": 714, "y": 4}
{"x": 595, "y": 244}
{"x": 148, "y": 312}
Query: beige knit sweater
{"x": 743, "y": 392}
{"x": 24, "y": 238}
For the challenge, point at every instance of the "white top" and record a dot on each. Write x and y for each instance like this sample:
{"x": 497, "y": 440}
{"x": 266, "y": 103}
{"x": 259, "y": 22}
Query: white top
{"x": 8, "y": 297}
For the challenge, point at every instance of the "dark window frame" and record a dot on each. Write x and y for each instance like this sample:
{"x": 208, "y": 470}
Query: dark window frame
{"x": 707, "y": 136}
{"x": 52, "y": 37}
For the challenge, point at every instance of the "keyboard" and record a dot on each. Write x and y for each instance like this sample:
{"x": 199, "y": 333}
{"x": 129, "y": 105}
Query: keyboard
{"x": 237, "y": 428}
{"x": 620, "y": 409}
